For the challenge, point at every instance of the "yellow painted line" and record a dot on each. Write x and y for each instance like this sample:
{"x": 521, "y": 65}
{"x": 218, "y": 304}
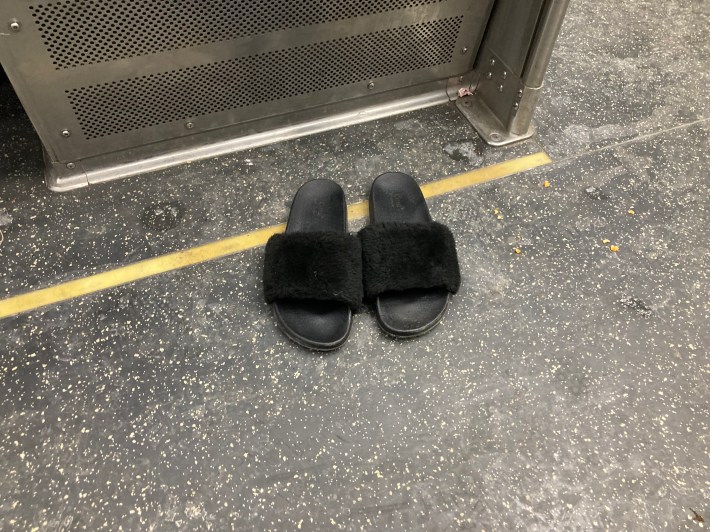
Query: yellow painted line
{"x": 235, "y": 244}
{"x": 483, "y": 175}
{"x": 358, "y": 210}
{"x": 134, "y": 272}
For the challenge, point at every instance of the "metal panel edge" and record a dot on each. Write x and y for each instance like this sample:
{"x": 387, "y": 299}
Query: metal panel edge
{"x": 162, "y": 155}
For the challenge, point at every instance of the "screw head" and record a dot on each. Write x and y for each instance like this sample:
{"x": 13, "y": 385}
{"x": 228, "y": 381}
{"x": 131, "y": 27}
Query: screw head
{"x": 15, "y": 25}
{"x": 71, "y": 166}
{"x": 189, "y": 125}
{"x": 464, "y": 50}
{"x": 371, "y": 85}
{"x": 66, "y": 133}
{"x": 492, "y": 61}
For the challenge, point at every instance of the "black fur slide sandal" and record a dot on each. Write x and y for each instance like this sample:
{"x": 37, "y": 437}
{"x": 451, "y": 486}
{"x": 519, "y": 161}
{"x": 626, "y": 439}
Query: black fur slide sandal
{"x": 313, "y": 271}
{"x": 410, "y": 267}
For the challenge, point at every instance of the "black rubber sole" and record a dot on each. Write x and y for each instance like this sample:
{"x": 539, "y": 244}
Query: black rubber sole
{"x": 319, "y": 205}
{"x": 396, "y": 197}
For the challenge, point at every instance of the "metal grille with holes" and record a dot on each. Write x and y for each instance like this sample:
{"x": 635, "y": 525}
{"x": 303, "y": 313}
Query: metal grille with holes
{"x": 85, "y": 32}
{"x": 136, "y": 103}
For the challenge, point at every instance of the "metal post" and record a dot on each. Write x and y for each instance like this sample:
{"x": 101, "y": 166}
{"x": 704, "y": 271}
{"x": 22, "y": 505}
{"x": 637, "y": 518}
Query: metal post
{"x": 538, "y": 60}
{"x": 544, "y": 42}
{"x": 511, "y": 67}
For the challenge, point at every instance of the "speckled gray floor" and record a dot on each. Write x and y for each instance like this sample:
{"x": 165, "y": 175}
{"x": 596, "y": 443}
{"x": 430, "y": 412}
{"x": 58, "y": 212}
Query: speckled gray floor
{"x": 567, "y": 388}
{"x": 624, "y": 69}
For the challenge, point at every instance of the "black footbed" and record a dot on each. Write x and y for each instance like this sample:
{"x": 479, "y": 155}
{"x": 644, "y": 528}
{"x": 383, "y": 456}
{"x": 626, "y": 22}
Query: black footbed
{"x": 402, "y": 310}
{"x": 318, "y": 207}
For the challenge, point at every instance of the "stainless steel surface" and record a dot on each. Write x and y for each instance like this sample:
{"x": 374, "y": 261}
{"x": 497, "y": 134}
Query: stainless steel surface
{"x": 129, "y": 73}
{"x": 515, "y": 53}
{"x": 523, "y": 111}
{"x": 538, "y": 60}
{"x": 179, "y": 151}
{"x": 510, "y": 31}
{"x": 487, "y": 124}
{"x": 129, "y": 111}
{"x": 500, "y": 91}
{"x": 116, "y": 88}
{"x": 544, "y": 42}
{"x": 460, "y": 86}
{"x": 70, "y": 30}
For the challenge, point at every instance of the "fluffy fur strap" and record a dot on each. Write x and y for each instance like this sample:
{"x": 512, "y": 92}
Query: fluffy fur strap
{"x": 317, "y": 265}
{"x": 401, "y": 256}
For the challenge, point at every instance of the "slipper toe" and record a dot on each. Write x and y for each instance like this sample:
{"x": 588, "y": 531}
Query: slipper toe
{"x": 411, "y": 313}
{"x": 318, "y": 325}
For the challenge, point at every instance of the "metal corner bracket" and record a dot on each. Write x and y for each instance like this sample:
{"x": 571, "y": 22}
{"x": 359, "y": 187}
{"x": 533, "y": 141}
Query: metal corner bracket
{"x": 486, "y": 123}
{"x": 463, "y": 92}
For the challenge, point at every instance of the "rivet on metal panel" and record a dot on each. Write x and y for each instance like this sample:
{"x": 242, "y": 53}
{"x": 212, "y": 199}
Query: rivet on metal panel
{"x": 520, "y": 93}
{"x": 66, "y": 133}
{"x": 492, "y": 62}
{"x": 489, "y": 75}
{"x": 189, "y": 125}
{"x": 464, "y": 50}
{"x": 500, "y": 88}
{"x": 460, "y": 79}
{"x": 71, "y": 166}
{"x": 505, "y": 74}
{"x": 516, "y": 106}
{"x": 371, "y": 85}
{"x": 15, "y": 25}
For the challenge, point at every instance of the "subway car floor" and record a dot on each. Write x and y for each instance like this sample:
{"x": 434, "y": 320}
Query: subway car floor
{"x": 566, "y": 389}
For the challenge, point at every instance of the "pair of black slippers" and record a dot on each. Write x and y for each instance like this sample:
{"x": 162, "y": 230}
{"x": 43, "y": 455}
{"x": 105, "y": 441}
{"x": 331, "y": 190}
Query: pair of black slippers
{"x": 316, "y": 274}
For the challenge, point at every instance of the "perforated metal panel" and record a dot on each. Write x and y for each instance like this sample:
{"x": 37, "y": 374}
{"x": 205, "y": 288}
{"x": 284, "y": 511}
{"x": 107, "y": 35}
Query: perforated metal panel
{"x": 177, "y": 95}
{"x": 105, "y": 76}
{"x": 84, "y": 32}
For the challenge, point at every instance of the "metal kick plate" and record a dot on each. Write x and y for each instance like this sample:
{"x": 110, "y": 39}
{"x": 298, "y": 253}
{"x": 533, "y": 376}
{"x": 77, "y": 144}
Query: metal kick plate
{"x": 101, "y": 76}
